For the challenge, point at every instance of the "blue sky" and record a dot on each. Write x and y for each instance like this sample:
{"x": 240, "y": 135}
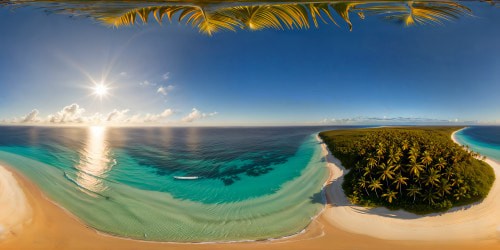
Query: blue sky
{"x": 378, "y": 70}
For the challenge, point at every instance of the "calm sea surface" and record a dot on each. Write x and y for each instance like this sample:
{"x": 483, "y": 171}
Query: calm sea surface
{"x": 484, "y": 140}
{"x": 253, "y": 183}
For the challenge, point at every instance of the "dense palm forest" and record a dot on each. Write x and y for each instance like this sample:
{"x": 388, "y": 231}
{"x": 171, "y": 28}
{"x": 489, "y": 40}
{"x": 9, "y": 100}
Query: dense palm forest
{"x": 419, "y": 169}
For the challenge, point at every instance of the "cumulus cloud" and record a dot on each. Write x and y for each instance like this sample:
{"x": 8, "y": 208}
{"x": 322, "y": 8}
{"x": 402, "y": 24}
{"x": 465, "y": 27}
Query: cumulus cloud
{"x": 123, "y": 74}
{"x": 148, "y": 118}
{"x": 69, "y": 114}
{"x": 117, "y": 115}
{"x": 155, "y": 117}
{"x": 165, "y": 90}
{"x": 31, "y": 116}
{"x": 196, "y": 115}
{"x": 75, "y": 114}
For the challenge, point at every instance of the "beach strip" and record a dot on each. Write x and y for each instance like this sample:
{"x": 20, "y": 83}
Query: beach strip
{"x": 15, "y": 211}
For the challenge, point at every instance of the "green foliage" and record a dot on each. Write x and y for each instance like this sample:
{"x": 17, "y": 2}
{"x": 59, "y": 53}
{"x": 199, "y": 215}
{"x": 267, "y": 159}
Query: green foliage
{"x": 418, "y": 169}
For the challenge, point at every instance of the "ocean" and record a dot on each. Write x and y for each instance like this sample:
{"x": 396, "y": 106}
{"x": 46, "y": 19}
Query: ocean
{"x": 251, "y": 183}
{"x": 482, "y": 139}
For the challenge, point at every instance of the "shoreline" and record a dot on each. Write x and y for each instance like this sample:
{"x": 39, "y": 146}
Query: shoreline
{"x": 15, "y": 212}
{"x": 282, "y": 237}
{"x": 53, "y": 227}
{"x": 475, "y": 222}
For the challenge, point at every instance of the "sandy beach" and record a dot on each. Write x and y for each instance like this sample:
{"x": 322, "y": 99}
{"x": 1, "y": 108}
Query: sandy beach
{"x": 15, "y": 211}
{"x": 340, "y": 226}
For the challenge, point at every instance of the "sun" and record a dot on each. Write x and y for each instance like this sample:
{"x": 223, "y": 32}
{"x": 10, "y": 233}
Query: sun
{"x": 101, "y": 90}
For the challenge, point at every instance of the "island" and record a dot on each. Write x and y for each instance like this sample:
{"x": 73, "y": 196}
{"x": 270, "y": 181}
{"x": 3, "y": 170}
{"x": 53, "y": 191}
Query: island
{"x": 417, "y": 169}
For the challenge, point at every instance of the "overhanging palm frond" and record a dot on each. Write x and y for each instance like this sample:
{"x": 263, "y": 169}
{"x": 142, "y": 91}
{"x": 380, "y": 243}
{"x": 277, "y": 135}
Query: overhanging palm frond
{"x": 317, "y": 10}
{"x": 288, "y": 16}
{"x": 420, "y": 12}
{"x": 343, "y": 10}
{"x": 209, "y": 18}
{"x": 194, "y": 15}
{"x": 207, "y": 22}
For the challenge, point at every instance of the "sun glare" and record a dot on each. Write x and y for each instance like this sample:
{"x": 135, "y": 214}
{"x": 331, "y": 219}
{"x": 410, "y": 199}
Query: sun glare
{"x": 100, "y": 90}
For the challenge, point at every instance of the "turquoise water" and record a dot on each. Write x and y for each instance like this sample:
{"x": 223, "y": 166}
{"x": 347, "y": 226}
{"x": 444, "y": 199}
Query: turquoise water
{"x": 254, "y": 183}
{"x": 484, "y": 140}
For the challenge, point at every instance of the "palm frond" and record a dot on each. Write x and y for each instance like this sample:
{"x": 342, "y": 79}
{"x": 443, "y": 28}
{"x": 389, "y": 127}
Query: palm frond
{"x": 419, "y": 12}
{"x": 209, "y": 18}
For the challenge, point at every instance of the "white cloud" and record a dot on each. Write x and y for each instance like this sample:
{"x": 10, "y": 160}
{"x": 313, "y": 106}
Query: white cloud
{"x": 75, "y": 114}
{"x": 165, "y": 76}
{"x": 96, "y": 118}
{"x": 123, "y": 74}
{"x": 165, "y": 90}
{"x": 117, "y": 115}
{"x": 196, "y": 115}
{"x": 147, "y": 83}
{"x": 155, "y": 117}
{"x": 69, "y": 114}
{"x": 31, "y": 116}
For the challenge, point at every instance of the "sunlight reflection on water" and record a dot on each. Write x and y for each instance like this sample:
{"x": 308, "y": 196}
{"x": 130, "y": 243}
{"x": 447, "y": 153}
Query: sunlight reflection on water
{"x": 95, "y": 161}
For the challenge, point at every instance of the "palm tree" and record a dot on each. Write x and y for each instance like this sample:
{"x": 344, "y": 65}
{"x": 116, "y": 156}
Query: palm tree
{"x": 380, "y": 151}
{"x": 400, "y": 181}
{"x": 413, "y": 154}
{"x": 455, "y": 157}
{"x": 448, "y": 172}
{"x": 413, "y": 191}
{"x": 432, "y": 177}
{"x": 415, "y": 168}
{"x": 374, "y": 185}
{"x": 460, "y": 193}
{"x": 386, "y": 173}
{"x": 363, "y": 183}
{"x": 441, "y": 163}
{"x": 430, "y": 196}
{"x": 457, "y": 181}
{"x": 393, "y": 157}
{"x": 390, "y": 195}
{"x": 426, "y": 158}
{"x": 444, "y": 188}
{"x": 405, "y": 145}
{"x": 371, "y": 162}
{"x": 367, "y": 171}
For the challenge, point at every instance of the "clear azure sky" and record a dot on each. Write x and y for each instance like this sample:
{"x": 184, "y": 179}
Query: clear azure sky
{"x": 379, "y": 72}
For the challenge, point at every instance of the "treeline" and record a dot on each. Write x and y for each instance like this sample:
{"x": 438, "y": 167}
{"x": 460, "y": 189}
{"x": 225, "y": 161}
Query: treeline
{"x": 418, "y": 169}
